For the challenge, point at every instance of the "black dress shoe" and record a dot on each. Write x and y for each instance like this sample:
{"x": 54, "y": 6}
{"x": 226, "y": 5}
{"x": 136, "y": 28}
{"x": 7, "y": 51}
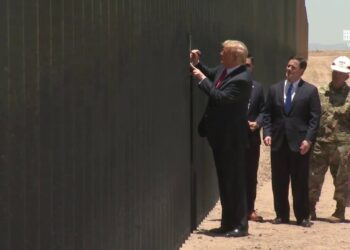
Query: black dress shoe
{"x": 238, "y": 232}
{"x": 279, "y": 220}
{"x": 305, "y": 223}
{"x": 220, "y": 230}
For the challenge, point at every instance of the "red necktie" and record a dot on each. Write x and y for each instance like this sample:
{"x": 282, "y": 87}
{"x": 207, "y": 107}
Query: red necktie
{"x": 221, "y": 78}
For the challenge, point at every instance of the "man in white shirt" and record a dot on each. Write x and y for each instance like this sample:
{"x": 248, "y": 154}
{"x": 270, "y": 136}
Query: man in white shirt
{"x": 290, "y": 125}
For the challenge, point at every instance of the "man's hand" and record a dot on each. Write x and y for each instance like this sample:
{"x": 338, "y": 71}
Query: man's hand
{"x": 304, "y": 147}
{"x": 253, "y": 126}
{"x": 197, "y": 73}
{"x": 194, "y": 56}
{"x": 267, "y": 141}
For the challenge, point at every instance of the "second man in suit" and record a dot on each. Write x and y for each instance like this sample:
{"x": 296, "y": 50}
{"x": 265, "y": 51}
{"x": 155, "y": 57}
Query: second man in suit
{"x": 290, "y": 125}
{"x": 256, "y": 109}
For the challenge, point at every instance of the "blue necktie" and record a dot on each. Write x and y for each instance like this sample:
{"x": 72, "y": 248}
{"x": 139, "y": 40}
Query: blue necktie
{"x": 288, "y": 102}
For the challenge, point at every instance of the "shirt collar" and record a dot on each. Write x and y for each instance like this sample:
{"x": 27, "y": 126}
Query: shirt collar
{"x": 295, "y": 84}
{"x": 229, "y": 70}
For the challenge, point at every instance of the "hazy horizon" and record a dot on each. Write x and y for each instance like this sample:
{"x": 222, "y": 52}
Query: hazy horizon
{"x": 327, "y": 22}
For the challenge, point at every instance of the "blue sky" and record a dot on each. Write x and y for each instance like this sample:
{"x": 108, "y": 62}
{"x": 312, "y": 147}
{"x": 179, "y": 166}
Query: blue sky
{"x": 327, "y": 20}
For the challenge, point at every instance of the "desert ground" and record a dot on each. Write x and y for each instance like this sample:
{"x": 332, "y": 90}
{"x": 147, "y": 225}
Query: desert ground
{"x": 322, "y": 235}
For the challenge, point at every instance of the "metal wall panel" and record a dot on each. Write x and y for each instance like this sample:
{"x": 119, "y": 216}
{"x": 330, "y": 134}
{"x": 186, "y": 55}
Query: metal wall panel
{"x": 301, "y": 29}
{"x": 98, "y": 145}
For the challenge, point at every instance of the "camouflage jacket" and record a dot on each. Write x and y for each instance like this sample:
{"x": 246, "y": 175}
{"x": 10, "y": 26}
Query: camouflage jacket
{"x": 335, "y": 116}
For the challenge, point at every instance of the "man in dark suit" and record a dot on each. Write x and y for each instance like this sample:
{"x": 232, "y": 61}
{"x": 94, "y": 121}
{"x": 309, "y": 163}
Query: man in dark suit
{"x": 224, "y": 123}
{"x": 256, "y": 109}
{"x": 290, "y": 125}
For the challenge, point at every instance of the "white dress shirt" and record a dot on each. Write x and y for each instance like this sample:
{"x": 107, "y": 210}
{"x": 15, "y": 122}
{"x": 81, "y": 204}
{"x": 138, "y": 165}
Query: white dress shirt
{"x": 286, "y": 85}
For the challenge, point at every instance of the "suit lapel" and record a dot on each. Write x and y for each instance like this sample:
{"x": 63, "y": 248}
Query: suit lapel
{"x": 237, "y": 71}
{"x": 233, "y": 74}
{"x": 281, "y": 95}
{"x": 253, "y": 97}
{"x": 218, "y": 74}
{"x": 298, "y": 93}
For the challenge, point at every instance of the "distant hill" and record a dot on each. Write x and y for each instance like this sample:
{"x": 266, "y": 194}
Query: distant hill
{"x": 318, "y": 46}
{"x": 319, "y": 63}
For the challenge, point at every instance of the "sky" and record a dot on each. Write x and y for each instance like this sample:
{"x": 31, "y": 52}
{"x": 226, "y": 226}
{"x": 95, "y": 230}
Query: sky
{"x": 327, "y": 20}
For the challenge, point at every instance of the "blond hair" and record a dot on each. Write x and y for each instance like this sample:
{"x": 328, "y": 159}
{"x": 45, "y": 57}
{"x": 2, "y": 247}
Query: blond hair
{"x": 238, "y": 49}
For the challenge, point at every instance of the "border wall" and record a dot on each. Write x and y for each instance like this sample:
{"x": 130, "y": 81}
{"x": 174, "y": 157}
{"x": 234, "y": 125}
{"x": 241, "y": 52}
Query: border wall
{"x": 98, "y": 141}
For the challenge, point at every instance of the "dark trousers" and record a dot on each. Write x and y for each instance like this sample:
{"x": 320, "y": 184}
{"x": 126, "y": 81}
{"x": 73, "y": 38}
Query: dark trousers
{"x": 252, "y": 164}
{"x": 232, "y": 187}
{"x": 287, "y": 165}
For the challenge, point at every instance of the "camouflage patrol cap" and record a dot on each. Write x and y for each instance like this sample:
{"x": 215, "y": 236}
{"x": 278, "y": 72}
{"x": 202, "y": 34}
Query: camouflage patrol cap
{"x": 341, "y": 64}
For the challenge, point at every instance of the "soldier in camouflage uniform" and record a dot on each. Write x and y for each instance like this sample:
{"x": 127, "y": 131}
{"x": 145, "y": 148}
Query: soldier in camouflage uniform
{"x": 332, "y": 148}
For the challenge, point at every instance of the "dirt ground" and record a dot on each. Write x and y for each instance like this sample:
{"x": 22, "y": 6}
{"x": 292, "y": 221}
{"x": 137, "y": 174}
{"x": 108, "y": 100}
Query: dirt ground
{"x": 321, "y": 236}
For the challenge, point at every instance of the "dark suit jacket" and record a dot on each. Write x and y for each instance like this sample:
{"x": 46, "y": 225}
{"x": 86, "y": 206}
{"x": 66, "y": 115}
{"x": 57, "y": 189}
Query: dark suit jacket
{"x": 301, "y": 123}
{"x": 225, "y": 116}
{"x": 256, "y": 110}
